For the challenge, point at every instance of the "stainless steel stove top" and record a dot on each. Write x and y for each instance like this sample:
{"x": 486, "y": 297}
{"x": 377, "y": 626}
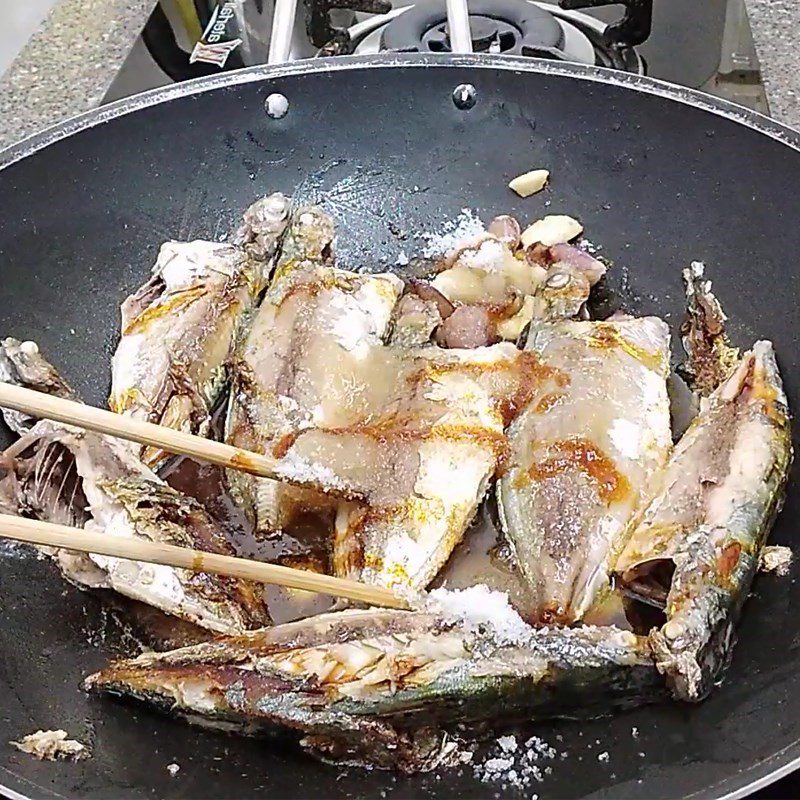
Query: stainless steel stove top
{"x": 714, "y": 52}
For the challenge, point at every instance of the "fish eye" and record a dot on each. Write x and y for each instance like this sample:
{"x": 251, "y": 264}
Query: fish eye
{"x": 558, "y": 280}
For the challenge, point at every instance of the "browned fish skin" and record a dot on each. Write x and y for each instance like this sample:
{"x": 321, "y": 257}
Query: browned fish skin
{"x": 583, "y": 456}
{"x": 425, "y": 456}
{"x": 180, "y": 329}
{"x": 301, "y": 364}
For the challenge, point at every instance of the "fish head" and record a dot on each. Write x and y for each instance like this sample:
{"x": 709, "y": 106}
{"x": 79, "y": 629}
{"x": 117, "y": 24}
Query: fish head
{"x": 311, "y": 235}
{"x": 570, "y": 275}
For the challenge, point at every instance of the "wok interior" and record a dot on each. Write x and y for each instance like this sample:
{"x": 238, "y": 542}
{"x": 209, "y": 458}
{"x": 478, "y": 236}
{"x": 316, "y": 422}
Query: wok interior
{"x": 657, "y": 183}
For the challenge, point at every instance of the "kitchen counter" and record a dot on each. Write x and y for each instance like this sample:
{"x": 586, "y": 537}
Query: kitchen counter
{"x": 775, "y": 25}
{"x": 69, "y": 64}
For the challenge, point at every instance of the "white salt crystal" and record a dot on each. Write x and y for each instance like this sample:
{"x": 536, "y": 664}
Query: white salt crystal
{"x": 508, "y": 743}
{"x": 465, "y": 226}
{"x": 603, "y": 756}
{"x": 538, "y": 748}
{"x": 478, "y": 608}
{"x": 173, "y": 769}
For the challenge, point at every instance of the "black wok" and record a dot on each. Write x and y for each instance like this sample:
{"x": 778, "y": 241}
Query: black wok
{"x": 658, "y": 175}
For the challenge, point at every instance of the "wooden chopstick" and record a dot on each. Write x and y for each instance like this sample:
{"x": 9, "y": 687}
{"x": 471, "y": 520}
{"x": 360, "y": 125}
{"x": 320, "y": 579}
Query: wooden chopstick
{"x": 82, "y": 541}
{"x": 39, "y": 404}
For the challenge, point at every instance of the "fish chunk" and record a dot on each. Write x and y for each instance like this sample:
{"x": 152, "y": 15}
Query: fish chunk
{"x": 179, "y": 330}
{"x": 359, "y": 685}
{"x": 65, "y": 475}
{"x": 417, "y": 434}
{"x": 583, "y": 456}
{"x": 302, "y": 363}
{"x": 424, "y": 457}
{"x": 697, "y": 547}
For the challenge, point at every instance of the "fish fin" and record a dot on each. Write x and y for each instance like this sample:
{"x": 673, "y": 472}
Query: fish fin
{"x": 710, "y": 357}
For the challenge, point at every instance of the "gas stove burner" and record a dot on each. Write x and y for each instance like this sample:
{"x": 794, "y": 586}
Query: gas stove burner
{"x": 507, "y": 27}
{"x": 513, "y": 27}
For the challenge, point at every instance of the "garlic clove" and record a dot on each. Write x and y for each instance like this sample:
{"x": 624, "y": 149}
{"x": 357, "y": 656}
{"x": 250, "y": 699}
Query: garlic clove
{"x": 530, "y": 182}
{"x": 550, "y": 230}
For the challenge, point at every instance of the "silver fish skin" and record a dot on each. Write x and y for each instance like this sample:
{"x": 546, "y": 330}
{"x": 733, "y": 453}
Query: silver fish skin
{"x": 697, "y": 547}
{"x": 710, "y": 356}
{"x": 584, "y": 453}
{"x": 358, "y": 684}
{"x": 180, "y": 329}
{"x": 61, "y": 474}
{"x": 302, "y": 357}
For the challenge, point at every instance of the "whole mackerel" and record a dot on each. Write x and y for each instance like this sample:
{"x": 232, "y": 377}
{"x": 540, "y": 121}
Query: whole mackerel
{"x": 377, "y": 686}
{"x": 696, "y": 550}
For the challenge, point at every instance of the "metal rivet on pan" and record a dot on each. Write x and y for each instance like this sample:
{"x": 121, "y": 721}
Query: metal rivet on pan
{"x": 276, "y": 106}
{"x": 464, "y": 96}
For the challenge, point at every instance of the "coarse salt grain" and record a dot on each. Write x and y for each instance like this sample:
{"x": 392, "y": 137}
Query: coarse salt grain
{"x": 515, "y": 764}
{"x": 465, "y": 226}
{"x": 603, "y": 756}
{"x": 494, "y": 767}
{"x": 478, "y": 608}
{"x": 540, "y": 748}
{"x": 508, "y": 743}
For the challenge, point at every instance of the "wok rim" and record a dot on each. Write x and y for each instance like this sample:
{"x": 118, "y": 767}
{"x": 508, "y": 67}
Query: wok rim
{"x": 738, "y": 785}
{"x": 516, "y": 64}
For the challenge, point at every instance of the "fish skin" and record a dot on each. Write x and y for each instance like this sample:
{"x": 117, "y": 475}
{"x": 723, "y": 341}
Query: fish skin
{"x": 308, "y": 338}
{"x": 721, "y": 492}
{"x": 584, "y": 453}
{"x": 364, "y": 680}
{"x": 69, "y": 476}
{"x": 180, "y": 329}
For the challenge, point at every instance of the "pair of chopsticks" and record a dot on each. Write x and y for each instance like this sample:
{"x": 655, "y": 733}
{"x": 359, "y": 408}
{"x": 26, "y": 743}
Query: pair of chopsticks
{"x": 38, "y": 404}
